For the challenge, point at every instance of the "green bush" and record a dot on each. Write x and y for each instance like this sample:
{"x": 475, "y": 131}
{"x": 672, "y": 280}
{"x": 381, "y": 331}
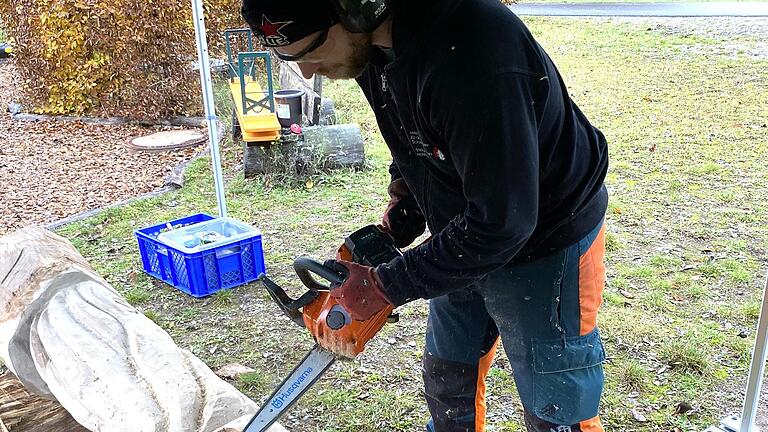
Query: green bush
{"x": 130, "y": 58}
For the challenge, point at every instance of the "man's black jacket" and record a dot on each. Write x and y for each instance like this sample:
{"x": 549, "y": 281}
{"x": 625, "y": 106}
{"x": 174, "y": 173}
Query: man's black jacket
{"x": 503, "y": 164}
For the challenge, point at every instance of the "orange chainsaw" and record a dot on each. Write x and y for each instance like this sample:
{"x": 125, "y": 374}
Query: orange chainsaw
{"x": 317, "y": 311}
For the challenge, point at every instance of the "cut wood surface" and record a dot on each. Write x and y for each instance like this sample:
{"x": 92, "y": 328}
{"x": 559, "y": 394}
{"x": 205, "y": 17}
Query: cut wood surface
{"x": 22, "y": 411}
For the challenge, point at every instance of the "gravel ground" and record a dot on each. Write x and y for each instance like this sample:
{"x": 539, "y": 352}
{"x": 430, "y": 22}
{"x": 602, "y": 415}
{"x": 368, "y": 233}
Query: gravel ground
{"x": 50, "y": 170}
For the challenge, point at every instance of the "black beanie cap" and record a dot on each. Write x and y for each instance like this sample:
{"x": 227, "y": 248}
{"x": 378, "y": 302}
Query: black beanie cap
{"x": 276, "y": 23}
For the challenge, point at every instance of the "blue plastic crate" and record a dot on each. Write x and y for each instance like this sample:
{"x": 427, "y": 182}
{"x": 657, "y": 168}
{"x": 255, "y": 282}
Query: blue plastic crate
{"x": 203, "y": 270}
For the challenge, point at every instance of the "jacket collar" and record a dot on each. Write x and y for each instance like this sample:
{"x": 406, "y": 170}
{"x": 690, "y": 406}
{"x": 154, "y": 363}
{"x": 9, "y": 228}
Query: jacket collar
{"x": 415, "y": 23}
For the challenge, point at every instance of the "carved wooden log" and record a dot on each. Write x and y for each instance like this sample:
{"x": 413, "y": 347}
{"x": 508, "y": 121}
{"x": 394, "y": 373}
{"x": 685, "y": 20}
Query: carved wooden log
{"x": 68, "y": 335}
{"x": 322, "y": 148}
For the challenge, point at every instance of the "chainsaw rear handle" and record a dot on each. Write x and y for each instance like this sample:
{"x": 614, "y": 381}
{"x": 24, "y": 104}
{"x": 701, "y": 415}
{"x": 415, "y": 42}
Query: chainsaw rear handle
{"x": 305, "y": 266}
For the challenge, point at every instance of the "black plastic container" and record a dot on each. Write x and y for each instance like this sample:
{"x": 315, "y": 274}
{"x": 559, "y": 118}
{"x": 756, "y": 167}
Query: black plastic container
{"x": 289, "y": 107}
{"x": 5, "y": 50}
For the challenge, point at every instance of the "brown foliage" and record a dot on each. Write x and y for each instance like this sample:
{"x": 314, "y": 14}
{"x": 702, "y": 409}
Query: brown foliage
{"x": 130, "y": 58}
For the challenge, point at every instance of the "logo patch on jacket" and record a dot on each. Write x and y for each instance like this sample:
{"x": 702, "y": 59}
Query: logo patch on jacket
{"x": 438, "y": 154}
{"x": 419, "y": 146}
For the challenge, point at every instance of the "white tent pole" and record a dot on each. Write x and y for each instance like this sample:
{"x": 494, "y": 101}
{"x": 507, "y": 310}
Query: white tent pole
{"x": 210, "y": 109}
{"x": 757, "y": 368}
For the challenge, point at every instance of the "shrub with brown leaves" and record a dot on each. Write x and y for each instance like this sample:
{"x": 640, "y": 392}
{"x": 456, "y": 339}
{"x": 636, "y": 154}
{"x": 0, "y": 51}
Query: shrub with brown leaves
{"x": 129, "y": 58}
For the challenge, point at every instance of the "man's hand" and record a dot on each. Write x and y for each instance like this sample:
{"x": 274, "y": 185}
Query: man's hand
{"x": 402, "y": 218}
{"x": 360, "y": 293}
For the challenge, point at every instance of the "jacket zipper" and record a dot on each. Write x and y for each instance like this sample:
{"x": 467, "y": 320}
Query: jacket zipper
{"x": 427, "y": 210}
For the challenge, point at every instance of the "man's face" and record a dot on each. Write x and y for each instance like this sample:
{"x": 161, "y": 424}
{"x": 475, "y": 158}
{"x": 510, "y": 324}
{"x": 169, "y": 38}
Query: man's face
{"x": 342, "y": 55}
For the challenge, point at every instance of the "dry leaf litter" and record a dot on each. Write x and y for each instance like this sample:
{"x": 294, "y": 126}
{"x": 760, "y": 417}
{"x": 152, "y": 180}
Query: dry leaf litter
{"x": 50, "y": 170}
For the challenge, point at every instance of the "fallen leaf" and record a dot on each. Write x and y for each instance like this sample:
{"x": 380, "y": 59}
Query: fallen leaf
{"x": 682, "y": 408}
{"x": 233, "y": 370}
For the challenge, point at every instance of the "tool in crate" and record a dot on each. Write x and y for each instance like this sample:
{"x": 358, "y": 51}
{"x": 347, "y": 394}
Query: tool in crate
{"x": 318, "y": 311}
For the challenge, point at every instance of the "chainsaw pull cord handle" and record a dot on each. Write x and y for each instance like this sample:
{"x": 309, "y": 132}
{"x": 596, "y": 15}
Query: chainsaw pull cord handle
{"x": 305, "y": 265}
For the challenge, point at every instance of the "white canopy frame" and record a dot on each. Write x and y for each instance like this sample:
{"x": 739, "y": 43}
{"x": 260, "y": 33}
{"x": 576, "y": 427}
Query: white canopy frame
{"x": 210, "y": 109}
{"x": 757, "y": 368}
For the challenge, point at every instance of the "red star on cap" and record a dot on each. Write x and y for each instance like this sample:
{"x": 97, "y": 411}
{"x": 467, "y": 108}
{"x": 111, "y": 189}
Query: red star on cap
{"x": 270, "y": 28}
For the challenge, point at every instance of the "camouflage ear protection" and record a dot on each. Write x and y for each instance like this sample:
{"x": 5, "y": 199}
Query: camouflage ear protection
{"x": 277, "y": 24}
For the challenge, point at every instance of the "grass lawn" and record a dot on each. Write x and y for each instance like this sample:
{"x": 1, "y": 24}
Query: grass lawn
{"x": 687, "y": 241}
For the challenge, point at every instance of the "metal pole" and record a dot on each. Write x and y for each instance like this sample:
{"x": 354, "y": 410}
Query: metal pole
{"x": 210, "y": 108}
{"x": 317, "y": 102}
{"x": 757, "y": 368}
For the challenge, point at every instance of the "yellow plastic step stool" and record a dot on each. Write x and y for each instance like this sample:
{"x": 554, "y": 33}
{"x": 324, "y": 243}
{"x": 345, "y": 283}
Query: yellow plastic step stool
{"x": 259, "y": 124}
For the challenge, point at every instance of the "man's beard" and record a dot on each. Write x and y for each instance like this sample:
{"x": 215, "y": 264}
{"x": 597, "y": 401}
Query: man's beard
{"x": 360, "y": 51}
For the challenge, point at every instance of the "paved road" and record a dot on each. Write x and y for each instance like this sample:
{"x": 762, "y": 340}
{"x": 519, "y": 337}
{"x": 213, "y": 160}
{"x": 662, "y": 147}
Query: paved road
{"x": 708, "y": 9}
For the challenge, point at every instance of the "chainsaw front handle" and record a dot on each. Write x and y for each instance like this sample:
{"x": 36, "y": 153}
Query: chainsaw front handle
{"x": 305, "y": 266}
{"x": 291, "y": 307}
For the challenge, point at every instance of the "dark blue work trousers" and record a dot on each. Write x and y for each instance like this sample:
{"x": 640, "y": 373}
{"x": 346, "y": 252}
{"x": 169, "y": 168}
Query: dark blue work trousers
{"x": 545, "y": 313}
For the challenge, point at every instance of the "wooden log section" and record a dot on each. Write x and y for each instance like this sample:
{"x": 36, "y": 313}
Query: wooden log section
{"x": 322, "y": 148}
{"x": 22, "y": 411}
